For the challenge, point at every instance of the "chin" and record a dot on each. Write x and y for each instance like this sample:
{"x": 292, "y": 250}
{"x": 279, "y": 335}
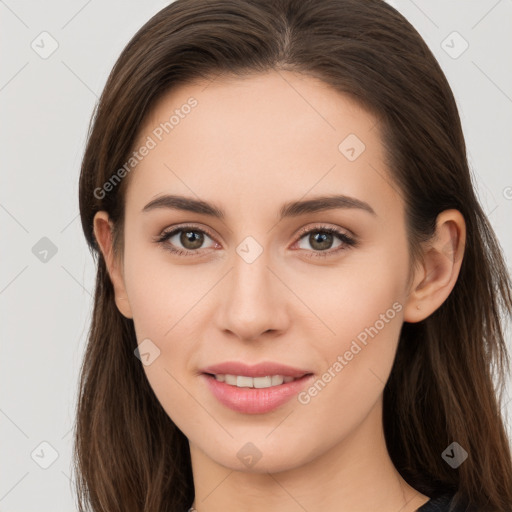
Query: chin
{"x": 260, "y": 458}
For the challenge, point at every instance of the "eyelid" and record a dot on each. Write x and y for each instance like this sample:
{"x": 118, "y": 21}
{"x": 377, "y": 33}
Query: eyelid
{"x": 322, "y": 226}
{"x": 347, "y": 238}
{"x": 184, "y": 227}
{"x": 163, "y": 239}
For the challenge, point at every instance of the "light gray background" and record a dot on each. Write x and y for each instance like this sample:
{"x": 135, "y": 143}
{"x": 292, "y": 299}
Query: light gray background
{"x": 45, "y": 109}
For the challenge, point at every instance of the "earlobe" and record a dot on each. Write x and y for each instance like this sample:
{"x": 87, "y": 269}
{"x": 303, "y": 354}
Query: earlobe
{"x": 103, "y": 233}
{"x": 437, "y": 274}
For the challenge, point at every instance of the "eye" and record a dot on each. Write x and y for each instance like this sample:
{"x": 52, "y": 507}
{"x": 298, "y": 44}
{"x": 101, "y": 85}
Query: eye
{"x": 185, "y": 240}
{"x": 321, "y": 239}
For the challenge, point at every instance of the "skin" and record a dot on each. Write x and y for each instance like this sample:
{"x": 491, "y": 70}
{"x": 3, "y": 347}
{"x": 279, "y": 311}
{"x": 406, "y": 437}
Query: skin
{"x": 249, "y": 146}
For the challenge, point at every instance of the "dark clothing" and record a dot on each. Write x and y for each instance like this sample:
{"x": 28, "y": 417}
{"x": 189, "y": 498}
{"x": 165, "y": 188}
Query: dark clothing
{"x": 439, "y": 504}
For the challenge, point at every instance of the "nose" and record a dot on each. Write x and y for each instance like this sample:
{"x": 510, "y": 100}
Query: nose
{"x": 253, "y": 301}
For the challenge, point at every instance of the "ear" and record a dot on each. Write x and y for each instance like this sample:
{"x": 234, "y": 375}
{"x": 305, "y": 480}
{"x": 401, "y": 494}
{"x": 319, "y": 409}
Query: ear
{"x": 436, "y": 275}
{"x": 103, "y": 233}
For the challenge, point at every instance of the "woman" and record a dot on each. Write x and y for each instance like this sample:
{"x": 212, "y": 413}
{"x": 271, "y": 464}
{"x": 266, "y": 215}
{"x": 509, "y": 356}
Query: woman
{"x": 299, "y": 298}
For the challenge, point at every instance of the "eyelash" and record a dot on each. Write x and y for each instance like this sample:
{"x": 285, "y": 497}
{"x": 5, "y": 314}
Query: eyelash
{"x": 346, "y": 241}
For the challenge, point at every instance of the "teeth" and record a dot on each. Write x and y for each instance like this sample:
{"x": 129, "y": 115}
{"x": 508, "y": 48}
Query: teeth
{"x": 243, "y": 381}
{"x": 277, "y": 380}
{"x": 229, "y": 379}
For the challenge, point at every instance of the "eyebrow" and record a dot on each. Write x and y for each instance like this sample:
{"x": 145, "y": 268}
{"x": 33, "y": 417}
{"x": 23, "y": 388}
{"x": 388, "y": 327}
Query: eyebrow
{"x": 290, "y": 209}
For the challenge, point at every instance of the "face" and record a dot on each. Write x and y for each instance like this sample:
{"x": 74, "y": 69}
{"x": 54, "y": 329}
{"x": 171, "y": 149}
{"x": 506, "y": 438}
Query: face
{"x": 319, "y": 287}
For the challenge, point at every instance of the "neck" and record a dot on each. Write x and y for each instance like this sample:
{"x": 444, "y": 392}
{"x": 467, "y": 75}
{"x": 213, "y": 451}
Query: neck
{"x": 355, "y": 475}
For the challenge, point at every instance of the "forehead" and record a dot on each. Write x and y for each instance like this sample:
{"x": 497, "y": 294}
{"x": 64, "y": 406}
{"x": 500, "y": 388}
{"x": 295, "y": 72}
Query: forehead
{"x": 260, "y": 136}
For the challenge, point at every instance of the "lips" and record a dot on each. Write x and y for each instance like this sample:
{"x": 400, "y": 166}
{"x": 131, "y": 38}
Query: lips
{"x": 244, "y": 388}
{"x": 263, "y": 369}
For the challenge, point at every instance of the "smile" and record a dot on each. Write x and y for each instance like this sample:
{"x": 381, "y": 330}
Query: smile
{"x": 255, "y": 395}
{"x": 242, "y": 381}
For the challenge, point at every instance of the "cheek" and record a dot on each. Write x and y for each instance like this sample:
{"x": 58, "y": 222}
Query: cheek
{"x": 362, "y": 306}
{"x": 160, "y": 292}
{"x": 364, "y": 320}
{"x": 165, "y": 305}
{"x": 365, "y": 290}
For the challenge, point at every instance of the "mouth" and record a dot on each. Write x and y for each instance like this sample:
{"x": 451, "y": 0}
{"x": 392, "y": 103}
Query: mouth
{"x": 245, "y": 381}
{"x": 255, "y": 395}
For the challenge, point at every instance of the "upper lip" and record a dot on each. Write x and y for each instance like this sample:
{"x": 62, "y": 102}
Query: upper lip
{"x": 262, "y": 369}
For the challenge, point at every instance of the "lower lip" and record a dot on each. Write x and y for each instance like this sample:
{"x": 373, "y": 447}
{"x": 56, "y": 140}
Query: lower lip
{"x": 255, "y": 400}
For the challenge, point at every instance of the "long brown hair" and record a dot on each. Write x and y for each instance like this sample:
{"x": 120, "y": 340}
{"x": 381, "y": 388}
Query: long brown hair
{"x": 448, "y": 377}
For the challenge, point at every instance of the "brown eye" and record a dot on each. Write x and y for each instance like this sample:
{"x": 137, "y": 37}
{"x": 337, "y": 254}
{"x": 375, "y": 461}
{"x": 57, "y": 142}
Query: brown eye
{"x": 186, "y": 240}
{"x": 324, "y": 241}
{"x": 191, "y": 239}
{"x": 320, "y": 240}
